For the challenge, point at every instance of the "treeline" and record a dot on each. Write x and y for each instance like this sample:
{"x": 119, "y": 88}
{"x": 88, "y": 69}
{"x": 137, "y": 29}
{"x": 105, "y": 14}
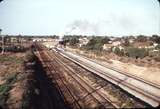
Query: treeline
{"x": 31, "y": 36}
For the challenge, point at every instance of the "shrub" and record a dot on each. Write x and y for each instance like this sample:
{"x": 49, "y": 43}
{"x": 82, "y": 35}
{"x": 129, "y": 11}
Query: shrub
{"x": 119, "y": 52}
{"x": 30, "y": 57}
{"x": 157, "y": 47}
{"x": 137, "y": 52}
{"x": 157, "y": 58}
{"x": 4, "y": 88}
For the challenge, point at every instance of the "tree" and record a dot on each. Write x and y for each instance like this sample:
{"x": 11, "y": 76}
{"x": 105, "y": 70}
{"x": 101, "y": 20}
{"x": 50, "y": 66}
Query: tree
{"x": 119, "y": 52}
{"x": 126, "y": 42}
{"x": 73, "y": 41}
{"x": 155, "y": 38}
{"x": 96, "y": 43}
{"x": 105, "y": 40}
{"x": 157, "y": 47}
{"x": 141, "y": 38}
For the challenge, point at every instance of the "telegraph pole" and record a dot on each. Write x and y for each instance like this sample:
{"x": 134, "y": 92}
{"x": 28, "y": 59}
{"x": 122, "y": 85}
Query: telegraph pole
{"x": 159, "y": 16}
{"x": 2, "y": 42}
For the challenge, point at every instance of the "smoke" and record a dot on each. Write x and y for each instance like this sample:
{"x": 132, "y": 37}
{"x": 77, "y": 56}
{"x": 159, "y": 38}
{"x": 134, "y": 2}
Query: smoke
{"x": 82, "y": 27}
{"x": 112, "y": 26}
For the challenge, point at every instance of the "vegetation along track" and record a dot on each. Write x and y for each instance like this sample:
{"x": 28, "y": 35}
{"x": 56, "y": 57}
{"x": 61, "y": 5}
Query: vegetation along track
{"x": 82, "y": 89}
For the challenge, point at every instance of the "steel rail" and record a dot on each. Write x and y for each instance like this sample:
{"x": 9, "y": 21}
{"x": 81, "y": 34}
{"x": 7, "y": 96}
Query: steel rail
{"x": 153, "y": 99}
{"x": 59, "y": 88}
{"x": 129, "y": 75}
{"x": 80, "y": 80}
{"x": 84, "y": 81}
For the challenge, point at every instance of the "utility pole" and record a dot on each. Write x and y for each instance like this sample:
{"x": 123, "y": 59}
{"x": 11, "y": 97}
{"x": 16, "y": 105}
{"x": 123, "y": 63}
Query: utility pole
{"x": 2, "y": 42}
{"x": 159, "y": 16}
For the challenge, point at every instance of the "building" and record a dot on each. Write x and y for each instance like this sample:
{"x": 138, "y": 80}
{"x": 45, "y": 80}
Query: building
{"x": 83, "y": 41}
{"x": 107, "y": 47}
{"x": 116, "y": 43}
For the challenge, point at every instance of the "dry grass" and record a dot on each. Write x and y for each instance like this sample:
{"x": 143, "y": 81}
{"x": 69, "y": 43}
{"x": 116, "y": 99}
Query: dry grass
{"x": 11, "y": 65}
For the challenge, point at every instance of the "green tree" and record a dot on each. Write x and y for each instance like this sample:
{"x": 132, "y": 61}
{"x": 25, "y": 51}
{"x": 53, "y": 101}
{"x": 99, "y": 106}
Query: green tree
{"x": 157, "y": 47}
{"x": 141, "y": 38}
{"x": 96, "y": 43}
{"x": 137, "y": 52}
{"x": 126, "y": 42}
{"x": 155, "y": 38}
{"x": 119, "y": 52}
{"x": 73, "y": 41}
{"x": 105, "y": 40}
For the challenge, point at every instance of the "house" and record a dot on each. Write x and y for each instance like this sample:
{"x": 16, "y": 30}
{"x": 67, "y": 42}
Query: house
{"x": 116, "y": 43}
{"x": 42, "y": 40}
{"x": 147, "y": 44}
{"x": 83, "y": 41}
{"x": 131, "y": 41}
{"x": 121, "y": 48}
{"x": 155, "y": 44}
{"x": 110, "y": 42}
{"x": 107, "y": 47}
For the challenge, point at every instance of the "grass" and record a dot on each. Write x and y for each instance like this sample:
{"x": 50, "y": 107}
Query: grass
{"x": 11, "y": 78}
{"x": 127, "y": 104}
{"x": 26, "y": 100}
{"x": 13, "y": 62}
{"x": 6, "y": 87}
{"x": 5, "y": 58}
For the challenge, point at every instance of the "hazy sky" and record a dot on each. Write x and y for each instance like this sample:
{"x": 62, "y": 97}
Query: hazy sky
{"x": 90, "y": 17}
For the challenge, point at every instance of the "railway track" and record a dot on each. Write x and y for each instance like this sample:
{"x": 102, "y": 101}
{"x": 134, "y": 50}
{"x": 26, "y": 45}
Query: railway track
{"x": 66, "y": 62}
{"x": 90, "y": 92}
{"x": 95, "y": 92}
{"x": 70, "y": 78}
{"x": 125, "y": 73}
{"x": 57, "y": 79}
{"x": 148, "y": 92}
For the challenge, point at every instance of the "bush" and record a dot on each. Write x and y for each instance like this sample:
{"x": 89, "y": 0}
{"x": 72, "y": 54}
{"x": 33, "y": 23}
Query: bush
{"x": 137, "y": 52}
{"x": 157, "y": 47}
{"x": 157, "y": 58}
{"x": 119, "y": 52}
{"x": 30, "y": 57}
{"x": 4, "y": 88}
{"x": 17, "y": 48}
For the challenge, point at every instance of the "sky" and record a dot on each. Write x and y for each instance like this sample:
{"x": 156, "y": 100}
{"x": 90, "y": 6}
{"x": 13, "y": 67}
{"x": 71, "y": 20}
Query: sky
{"x": 80, "y": 17}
